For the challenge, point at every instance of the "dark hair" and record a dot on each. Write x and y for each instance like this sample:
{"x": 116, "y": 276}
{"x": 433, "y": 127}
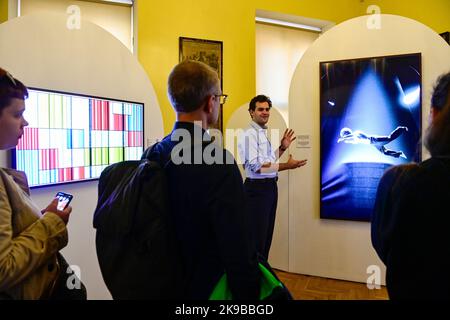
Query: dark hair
{"x": 10, "y": 88}
{"x": 259, "y": 98}
{"x": 190, "y": 82}
{"x": 438, "y": 135}
{"x": 440, "y": 95}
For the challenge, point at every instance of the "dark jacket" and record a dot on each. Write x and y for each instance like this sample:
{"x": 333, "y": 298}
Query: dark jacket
{"x": 210, "y": 220}
{"x": 411, "y": 229}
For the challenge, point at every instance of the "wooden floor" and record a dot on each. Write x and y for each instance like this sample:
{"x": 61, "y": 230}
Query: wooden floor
{"x": 315, "y": 288}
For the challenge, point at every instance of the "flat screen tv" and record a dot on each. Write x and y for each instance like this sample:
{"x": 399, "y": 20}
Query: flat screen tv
{"x": 73, "y": 137}
{"x": 370, "y": 120}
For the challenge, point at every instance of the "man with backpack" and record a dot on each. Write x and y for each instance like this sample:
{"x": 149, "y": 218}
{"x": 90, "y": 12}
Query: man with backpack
{"x": 207, "y": 218}
{"x": 206, "y": 197}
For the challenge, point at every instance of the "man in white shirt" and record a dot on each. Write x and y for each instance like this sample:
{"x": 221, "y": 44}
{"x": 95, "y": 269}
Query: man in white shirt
{"x": 261, "y": 169}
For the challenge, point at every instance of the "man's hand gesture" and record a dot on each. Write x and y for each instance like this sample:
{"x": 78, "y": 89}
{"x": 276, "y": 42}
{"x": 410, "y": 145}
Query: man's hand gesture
{"x": 293, "y": 164}
{"x": 287, "y": 139}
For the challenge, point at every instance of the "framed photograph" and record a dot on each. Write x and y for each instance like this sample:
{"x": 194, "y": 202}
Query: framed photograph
{"x": 209, "y": 52}
{"x": 370, "y": 120}
{"x": 446, "y": 36}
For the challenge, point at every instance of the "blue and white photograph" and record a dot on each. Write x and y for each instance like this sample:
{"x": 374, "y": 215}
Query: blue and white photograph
{"x": 370, "y": 121}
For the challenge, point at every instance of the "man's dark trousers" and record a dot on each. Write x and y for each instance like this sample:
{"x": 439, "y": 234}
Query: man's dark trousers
{"x": 262, "y": 198}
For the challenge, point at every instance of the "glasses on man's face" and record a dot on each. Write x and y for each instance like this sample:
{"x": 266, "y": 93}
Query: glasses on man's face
{"x": 222, "y": 98}
{"x": 7, "y": 75}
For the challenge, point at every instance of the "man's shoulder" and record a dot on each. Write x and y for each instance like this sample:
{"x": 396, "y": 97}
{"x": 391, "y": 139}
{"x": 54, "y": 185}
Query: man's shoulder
{"x": 399, "y": 171}
{"x": 219, "y": 157}
{"x": 433, "y": 163}
{"x": 159, "y": 151}
{"x": 249, "y": 128}
{"x": 405, "y": 179}
{"x": 434, "y": 170}
{"x": 206, "y": 153}
{"x": 248, "y": 131}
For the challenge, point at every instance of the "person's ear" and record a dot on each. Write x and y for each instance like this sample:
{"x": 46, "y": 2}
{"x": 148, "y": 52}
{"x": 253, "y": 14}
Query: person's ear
{"x": 209, "y": 105}
{"x": 251, "y": 112}
{"x": 434, "y": 113}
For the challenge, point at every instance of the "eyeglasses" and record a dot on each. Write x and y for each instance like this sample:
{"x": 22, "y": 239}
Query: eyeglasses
{"x": 222, "y": 98}
{"x": 6, "y": 74}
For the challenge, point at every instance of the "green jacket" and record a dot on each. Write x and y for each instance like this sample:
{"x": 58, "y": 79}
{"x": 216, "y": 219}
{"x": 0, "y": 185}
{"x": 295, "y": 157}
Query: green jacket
{"x": 29, "y": 241}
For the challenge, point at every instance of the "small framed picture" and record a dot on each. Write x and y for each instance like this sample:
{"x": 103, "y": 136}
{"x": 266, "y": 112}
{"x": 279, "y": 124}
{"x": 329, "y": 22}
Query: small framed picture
{"x": 209, "y": 52}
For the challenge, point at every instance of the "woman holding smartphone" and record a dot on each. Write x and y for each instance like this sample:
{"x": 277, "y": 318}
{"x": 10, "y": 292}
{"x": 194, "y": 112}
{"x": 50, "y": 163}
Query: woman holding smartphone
{"x": 30, "y": 238}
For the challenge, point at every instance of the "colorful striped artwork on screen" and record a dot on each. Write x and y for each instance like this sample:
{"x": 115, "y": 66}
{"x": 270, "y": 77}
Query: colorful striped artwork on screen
{"x": 73, "y": 138}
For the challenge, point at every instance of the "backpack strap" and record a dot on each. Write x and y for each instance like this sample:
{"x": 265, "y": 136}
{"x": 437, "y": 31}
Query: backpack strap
{"x": 157, "y": 154}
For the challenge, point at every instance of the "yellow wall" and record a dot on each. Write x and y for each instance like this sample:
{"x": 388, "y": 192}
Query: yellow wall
{"x": 433, "y": 13}
{"x": 160, "y": 23}
{"x": 233, "y": 22}
{"x": 3, "y": 10}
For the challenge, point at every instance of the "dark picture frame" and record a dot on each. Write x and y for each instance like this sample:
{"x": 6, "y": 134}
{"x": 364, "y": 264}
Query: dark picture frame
{"x": 365, "y": 106}
{"x": 446, "y": 36}
{"x": 209, "y": 52}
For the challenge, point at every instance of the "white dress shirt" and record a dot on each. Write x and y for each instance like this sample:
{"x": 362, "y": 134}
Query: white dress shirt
{"x": 255, "y": 149}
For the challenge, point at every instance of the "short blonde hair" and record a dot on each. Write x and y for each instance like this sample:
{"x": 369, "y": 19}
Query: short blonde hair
{"x": 190, "y": 82}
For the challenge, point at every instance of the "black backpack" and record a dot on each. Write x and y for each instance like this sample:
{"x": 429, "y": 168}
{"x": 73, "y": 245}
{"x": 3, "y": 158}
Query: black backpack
{"x": 135, "y": 243}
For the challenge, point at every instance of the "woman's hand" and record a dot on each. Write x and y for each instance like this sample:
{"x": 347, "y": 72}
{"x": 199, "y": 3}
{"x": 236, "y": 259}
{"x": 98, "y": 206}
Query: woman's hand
{"x": 63, "y": 214}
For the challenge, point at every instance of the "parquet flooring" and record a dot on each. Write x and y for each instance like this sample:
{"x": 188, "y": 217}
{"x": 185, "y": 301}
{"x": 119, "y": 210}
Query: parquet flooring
{"x": 304, "y": 287}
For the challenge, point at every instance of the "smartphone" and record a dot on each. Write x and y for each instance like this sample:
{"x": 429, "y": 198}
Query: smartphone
{"x": 63, "y": 200}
